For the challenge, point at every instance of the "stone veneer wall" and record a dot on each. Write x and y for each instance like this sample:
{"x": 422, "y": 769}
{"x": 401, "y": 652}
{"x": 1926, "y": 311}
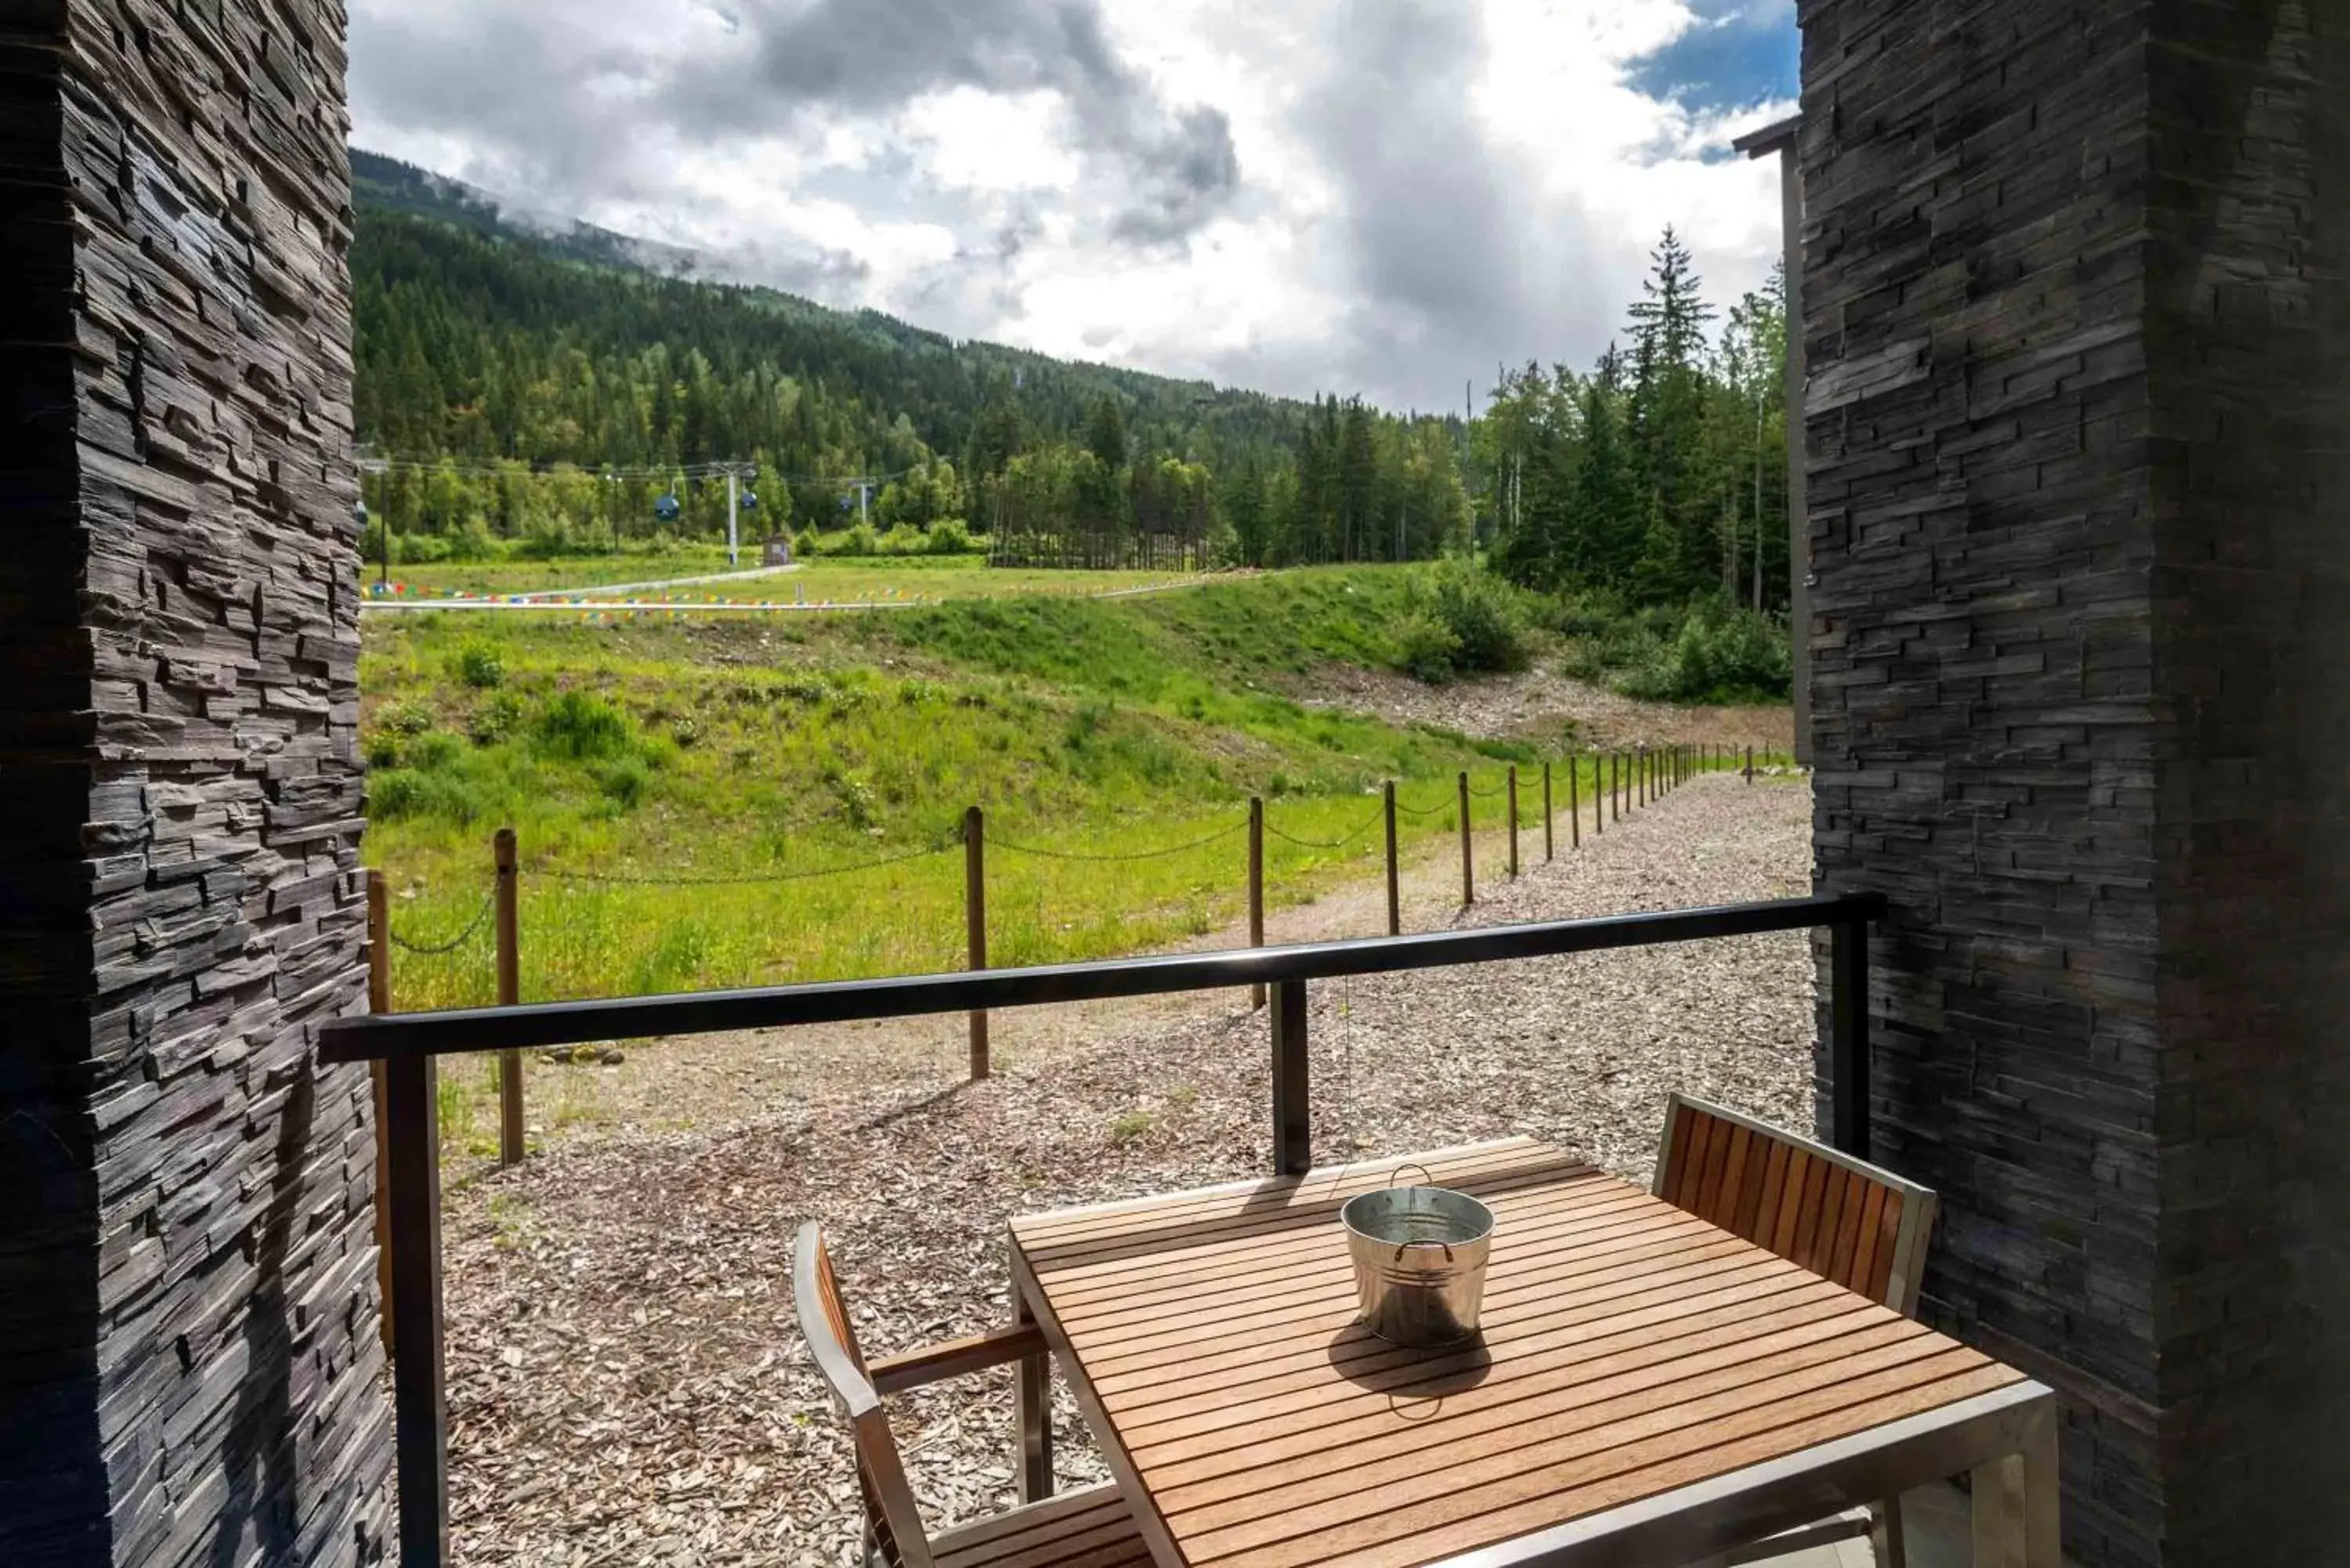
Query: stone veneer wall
{"x": 191, "y": 1371}
{"x": 2079, "y": 414}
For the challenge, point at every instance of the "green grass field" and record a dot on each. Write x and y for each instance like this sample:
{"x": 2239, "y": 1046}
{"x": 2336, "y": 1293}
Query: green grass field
{"x": 832, "y": 578}
{"x": 666, "y": 778}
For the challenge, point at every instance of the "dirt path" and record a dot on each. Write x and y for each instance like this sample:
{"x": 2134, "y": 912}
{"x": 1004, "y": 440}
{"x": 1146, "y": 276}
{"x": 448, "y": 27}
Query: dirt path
{"x": 624, "y": 1383}
{"x": 1544, "y": 703}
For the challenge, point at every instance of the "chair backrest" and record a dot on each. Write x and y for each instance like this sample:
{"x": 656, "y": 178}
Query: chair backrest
{"x": 893, "y": 1524}
{"x": 1842, "y": 1218}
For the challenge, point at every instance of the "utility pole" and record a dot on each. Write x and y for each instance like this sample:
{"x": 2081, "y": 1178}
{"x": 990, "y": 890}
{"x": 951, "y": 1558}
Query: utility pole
{"x": 730, "y": 480}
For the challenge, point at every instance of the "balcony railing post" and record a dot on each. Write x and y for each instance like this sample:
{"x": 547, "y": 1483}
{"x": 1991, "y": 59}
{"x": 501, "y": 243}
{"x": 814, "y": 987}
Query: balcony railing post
{"x": 974, "y": 919}
{"x": 509, "y": 967}
{"x": 1848, "y": 1037}
{"x": 1293, "y": 1128}
{"x": 420, "y": 1415}
{"x": 1256, "y": 887}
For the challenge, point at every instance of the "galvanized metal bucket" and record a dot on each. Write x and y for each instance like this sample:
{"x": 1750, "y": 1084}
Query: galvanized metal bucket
{"x": 1419, "y": 1261}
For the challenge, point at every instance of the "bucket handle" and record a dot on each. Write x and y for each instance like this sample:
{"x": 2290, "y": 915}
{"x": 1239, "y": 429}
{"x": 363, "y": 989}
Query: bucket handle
{"x": 1426, "y": 1179}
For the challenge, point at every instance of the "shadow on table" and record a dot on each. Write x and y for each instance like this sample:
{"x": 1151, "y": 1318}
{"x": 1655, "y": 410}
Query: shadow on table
{"x": 1416, "y": 1382}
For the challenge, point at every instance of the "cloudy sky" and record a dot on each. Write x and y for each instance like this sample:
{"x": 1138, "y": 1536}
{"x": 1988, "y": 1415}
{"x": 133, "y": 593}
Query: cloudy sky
{"x": 1375, "y": 196}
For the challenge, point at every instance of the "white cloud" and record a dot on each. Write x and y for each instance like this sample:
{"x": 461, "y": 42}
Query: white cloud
{"x": 1384, "y": 196}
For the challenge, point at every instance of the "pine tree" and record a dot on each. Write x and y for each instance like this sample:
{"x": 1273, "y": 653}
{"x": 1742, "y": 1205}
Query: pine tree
{"x": 1106, "y": 433}
{"x": 1666, "y": 418}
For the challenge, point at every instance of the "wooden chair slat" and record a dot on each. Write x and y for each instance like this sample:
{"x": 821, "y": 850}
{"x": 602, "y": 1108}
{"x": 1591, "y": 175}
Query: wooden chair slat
{"x": 1880, "y": 1268}
{"x": 1724, "y": 1212}
{"x": 1773, "y": 1183}
{"x": 1781, "y": 1239}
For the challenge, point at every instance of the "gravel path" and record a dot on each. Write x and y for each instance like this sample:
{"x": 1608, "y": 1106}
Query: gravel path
{"x": 625, "y": 1386}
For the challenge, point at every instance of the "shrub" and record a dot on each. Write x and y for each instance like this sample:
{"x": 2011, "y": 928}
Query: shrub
{"x": 949, "y": 536}
{"x": 859, "y": 541}
{"x": 905, "y": 539}
{"x": 434, "y": 749}
{"x": 406, "y": 717}
{"x": 1717, "y": 655}
{"x": 477, "y": 664}
{"x": 415, "y": 792}
{"x": 624, "y": 782}
{"x": 806, "y": 546}
{"x": 1426, "y": 648}
{"x": 498, "y": 717}
{"x": 583, "y": 727}
{"x": 381, "y": 749}
{"x": 1461, "y": 620}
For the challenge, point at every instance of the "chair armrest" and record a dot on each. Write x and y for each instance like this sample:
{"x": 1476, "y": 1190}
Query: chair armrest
{"x": 953, "y": 1358}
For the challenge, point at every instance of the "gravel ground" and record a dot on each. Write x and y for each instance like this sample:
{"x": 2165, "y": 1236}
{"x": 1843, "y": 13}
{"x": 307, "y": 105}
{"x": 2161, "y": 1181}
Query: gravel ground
{"x": 1543, "y": 702}
{"x": 625, "y": 1386}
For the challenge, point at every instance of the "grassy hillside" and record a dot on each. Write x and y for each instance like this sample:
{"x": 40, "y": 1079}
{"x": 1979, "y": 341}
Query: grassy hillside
{"x": 698, "y": 764}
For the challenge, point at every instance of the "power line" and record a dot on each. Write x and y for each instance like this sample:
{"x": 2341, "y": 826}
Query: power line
{"x": 517, "y": 468}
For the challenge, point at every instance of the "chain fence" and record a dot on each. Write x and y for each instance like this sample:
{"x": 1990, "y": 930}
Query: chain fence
{"x": 748, "y": 879}
{"x": 441, "y": 950}
{"x": 1339, "y": 843}
{"x": 1105, "y": 859}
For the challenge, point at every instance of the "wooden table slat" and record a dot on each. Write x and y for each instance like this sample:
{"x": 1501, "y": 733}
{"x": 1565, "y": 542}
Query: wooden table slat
{"x": 1271, "y": 1194}
{"x": 1306, "y": 1271}
{"x": 1169, "y": 1239}
{"x": 1502, "y": 1322}
{"x": 1459, "y": 1382}
{"x": 1826, "y": 1354}
{"x": 1598, "y": 1249}
{"x": 1243, "y": 1257}
{"x": 1398, "y": 1373}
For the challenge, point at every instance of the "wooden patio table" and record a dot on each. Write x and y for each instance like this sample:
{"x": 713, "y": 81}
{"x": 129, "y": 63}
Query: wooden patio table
{"x": 1647, "y": 1388}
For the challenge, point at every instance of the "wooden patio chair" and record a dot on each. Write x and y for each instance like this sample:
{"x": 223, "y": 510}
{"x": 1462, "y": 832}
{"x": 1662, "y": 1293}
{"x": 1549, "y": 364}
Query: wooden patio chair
{"x": 1091, "y": 1527}
{"x": 1842, "y": 1218}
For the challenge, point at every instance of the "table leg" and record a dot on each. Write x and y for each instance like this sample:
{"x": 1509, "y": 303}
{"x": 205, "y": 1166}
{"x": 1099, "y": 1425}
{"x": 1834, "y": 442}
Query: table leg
{"x": 2044, "y": 1543}
{"x": 1032, "y": 1413}
{"x": 2016, "y": 1521}
{"x": 1887, "y": 1537}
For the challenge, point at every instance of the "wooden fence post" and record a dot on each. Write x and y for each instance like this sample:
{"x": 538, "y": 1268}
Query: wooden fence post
{"x": 1574, "y": 803}
{"x": 1256, "y": 887}
{"x": 378, "y": 917}
{"x": 1615, "y": 786}
{"x": 1750, "y": 764}
{"x": 1513, "y": 822}
{"x": 1468, "y": 849}
{"x": 1549, "y": 851}
{"x": 1644, "y": 763}
{"x": 974, "y": 914}
{"x": 1395, "y": 891}
{"x": 510, "y": 1140}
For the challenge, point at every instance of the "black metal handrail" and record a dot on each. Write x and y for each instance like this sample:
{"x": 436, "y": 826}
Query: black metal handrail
{"x": 406, "y": 1044}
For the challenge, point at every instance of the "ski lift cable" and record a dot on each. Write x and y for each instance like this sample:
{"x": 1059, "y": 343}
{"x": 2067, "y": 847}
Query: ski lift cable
{"x": 485, "y": 468}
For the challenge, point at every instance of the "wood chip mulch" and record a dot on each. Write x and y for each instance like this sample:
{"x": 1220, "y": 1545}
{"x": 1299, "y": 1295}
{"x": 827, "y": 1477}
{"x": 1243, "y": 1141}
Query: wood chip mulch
{"x": 625, "y": 1384}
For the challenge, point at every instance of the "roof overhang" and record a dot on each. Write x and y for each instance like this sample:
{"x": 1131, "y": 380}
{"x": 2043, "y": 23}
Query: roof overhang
{"x": 1770, "y": 138}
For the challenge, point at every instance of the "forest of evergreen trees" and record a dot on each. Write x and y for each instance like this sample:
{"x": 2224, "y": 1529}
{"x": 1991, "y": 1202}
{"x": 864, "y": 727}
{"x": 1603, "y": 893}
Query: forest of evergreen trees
{"x": 1658, "y": 476}
{"x": 511, "y": 393}
{"x": 516, "y": 394}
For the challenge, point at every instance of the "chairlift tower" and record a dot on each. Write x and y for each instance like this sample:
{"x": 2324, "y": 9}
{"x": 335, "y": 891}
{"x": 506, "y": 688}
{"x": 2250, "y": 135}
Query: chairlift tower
{"x": 737, "y": 474}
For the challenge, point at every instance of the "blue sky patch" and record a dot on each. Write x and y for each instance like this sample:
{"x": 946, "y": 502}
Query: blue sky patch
{"x": 1740, "y": 53}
